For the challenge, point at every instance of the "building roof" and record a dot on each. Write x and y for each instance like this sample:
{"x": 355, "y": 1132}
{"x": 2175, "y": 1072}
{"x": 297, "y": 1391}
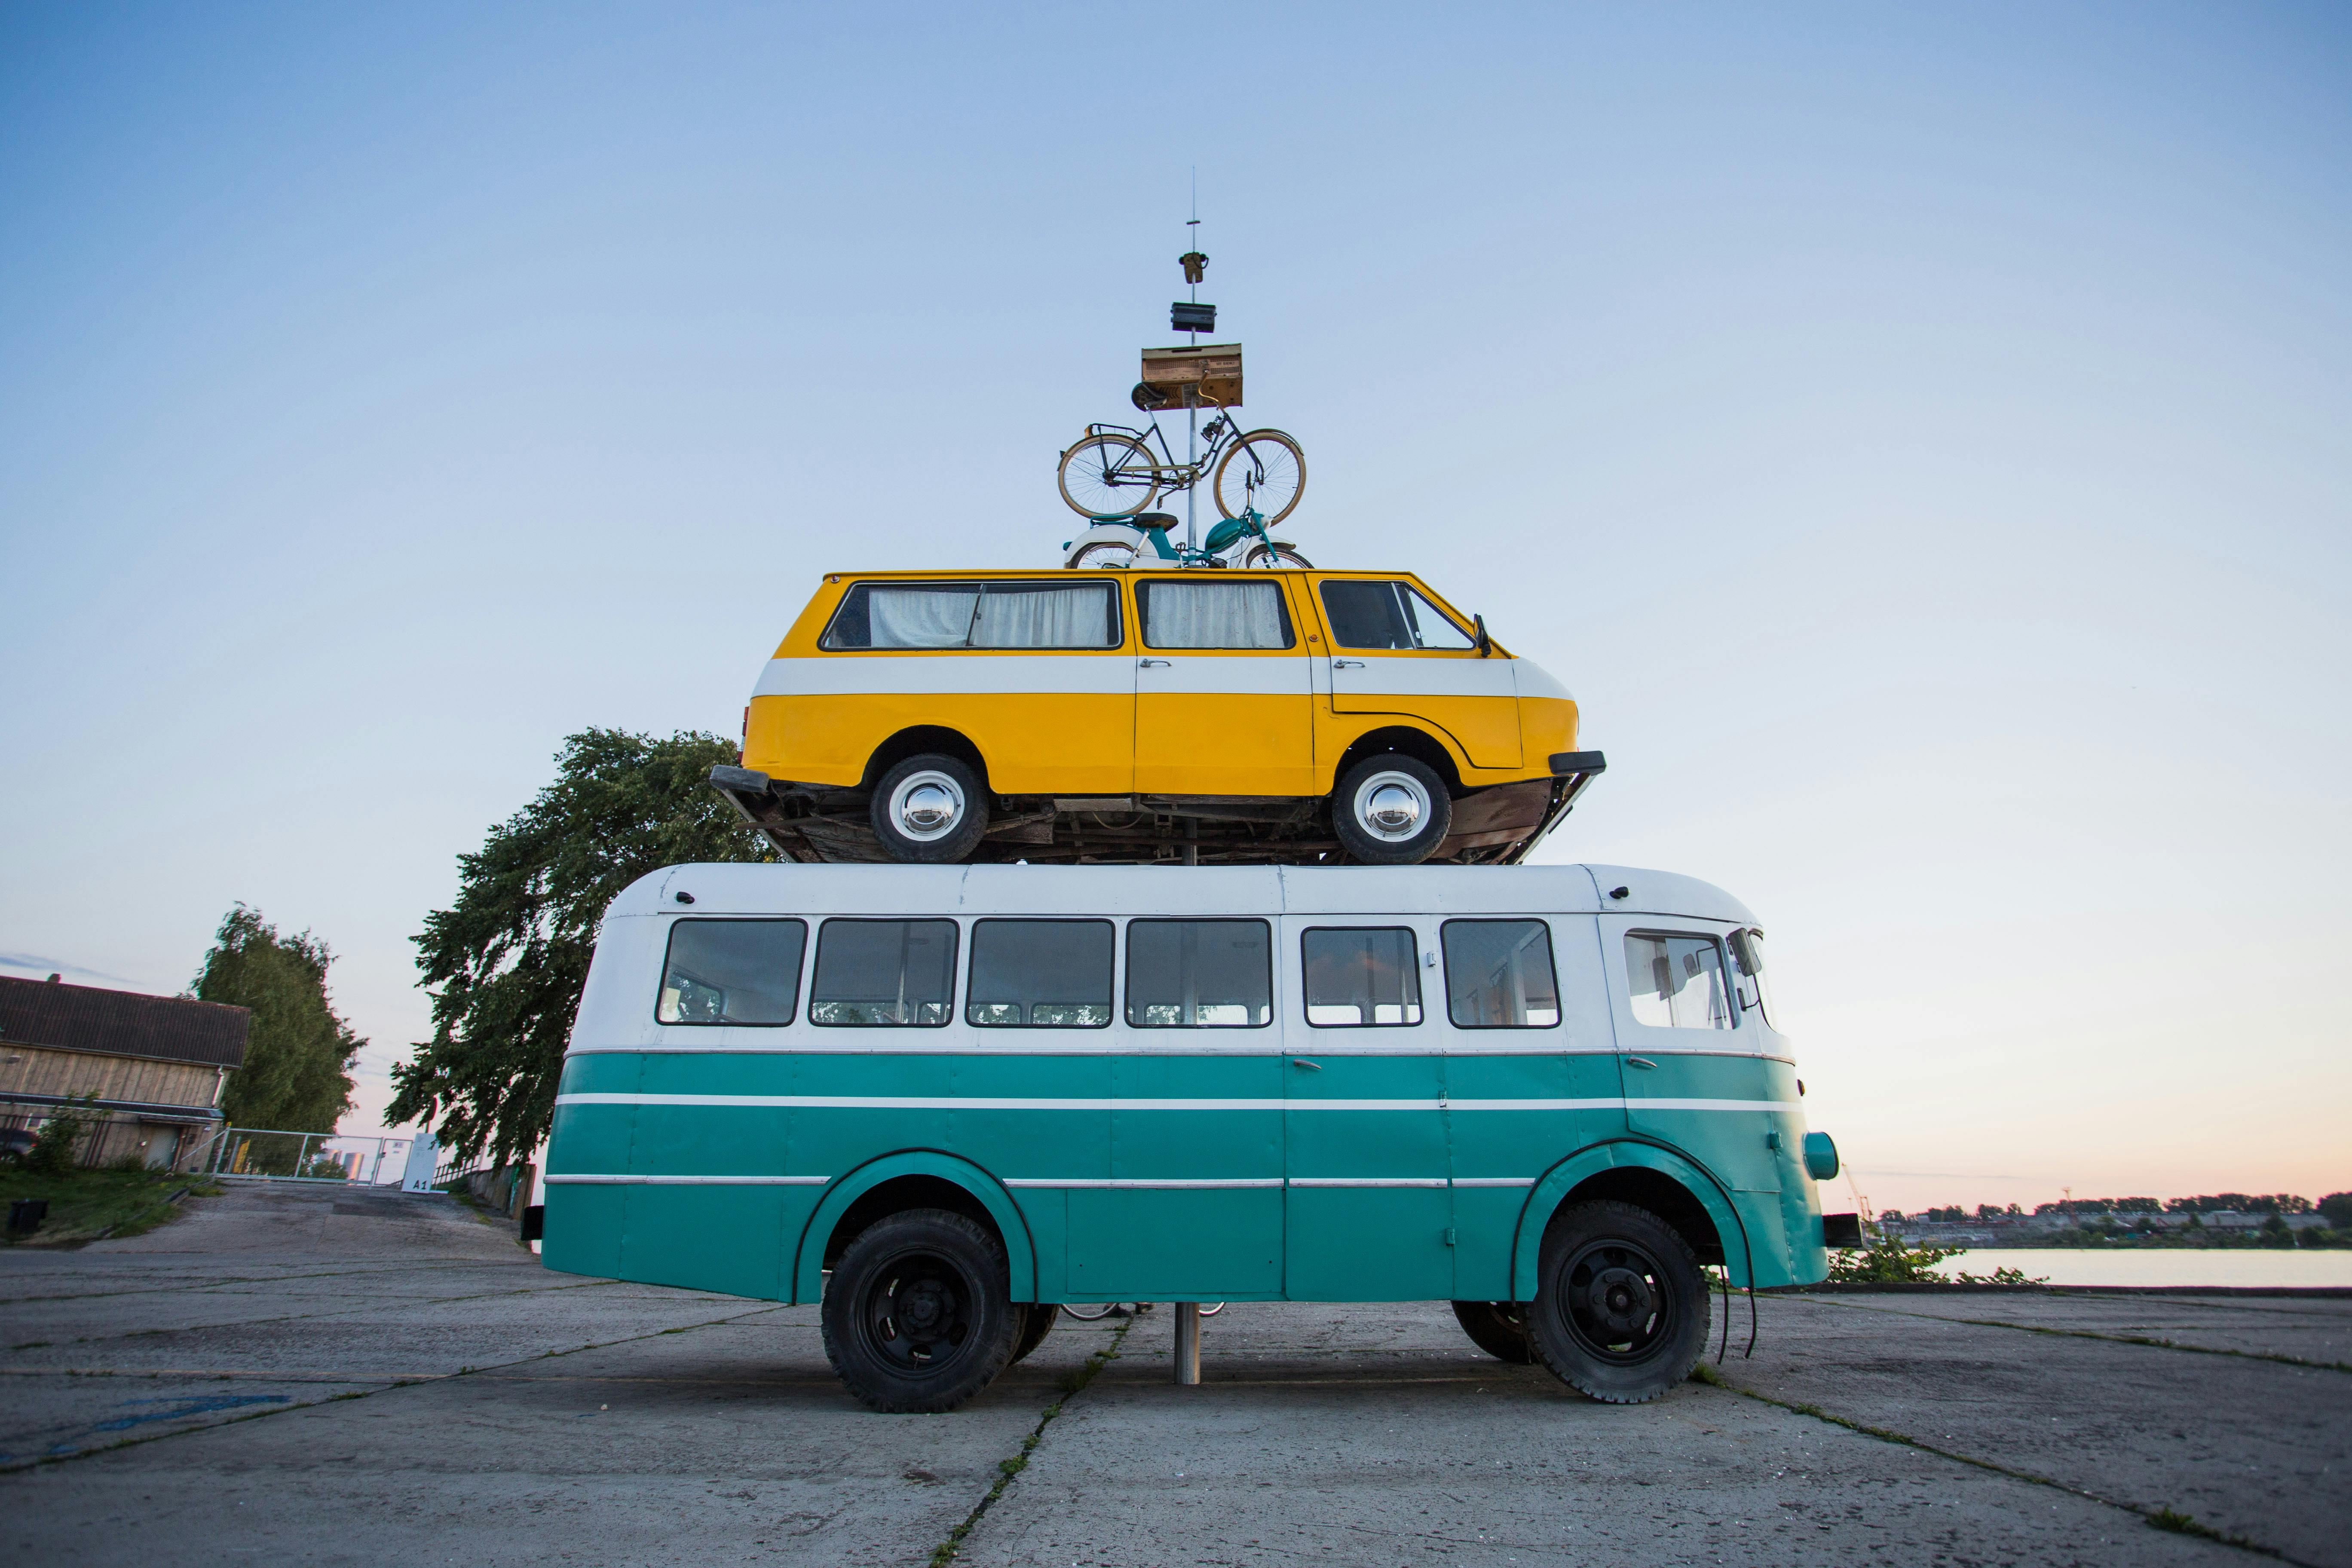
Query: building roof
{"x": 121, "y": 1023}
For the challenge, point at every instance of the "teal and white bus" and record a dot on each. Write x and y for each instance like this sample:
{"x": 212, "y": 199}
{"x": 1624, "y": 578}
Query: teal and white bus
{"x": 942, "y": 1100}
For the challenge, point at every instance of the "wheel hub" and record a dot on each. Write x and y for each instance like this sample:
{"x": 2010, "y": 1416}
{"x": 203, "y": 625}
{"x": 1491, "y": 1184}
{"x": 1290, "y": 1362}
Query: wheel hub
{"x": 1620, "y": 1300}
{"x": 1614, "y": 1297}
{"x": 927, "y": 805}
{"x": 1392, "y": 806}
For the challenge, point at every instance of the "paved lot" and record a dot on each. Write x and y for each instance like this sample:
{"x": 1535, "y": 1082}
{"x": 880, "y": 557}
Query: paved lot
{"x": 308, "y": 1375}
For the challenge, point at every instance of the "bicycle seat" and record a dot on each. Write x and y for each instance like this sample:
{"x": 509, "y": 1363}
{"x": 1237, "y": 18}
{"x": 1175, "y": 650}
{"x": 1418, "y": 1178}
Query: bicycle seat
{"x": 1153, "y": 520}
{"x": 1151, "y": 398}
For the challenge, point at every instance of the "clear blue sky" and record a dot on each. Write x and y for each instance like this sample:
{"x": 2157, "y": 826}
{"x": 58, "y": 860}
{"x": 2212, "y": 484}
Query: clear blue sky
{"x": 1918, "y": 436}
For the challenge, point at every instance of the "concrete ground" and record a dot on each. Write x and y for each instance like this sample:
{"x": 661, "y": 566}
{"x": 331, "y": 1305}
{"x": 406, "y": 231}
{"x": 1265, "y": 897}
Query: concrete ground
{"x": 318, "y": 1375}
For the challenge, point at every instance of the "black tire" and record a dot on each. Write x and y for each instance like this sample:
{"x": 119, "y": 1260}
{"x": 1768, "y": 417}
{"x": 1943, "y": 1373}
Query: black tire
{"x": 1043, "y": 1315}
{"x": 1395, "y": 780}
{"x": 917, "y": 1316}
{"x": 1498, "y": 1328}
{"x": 900, "y": 797}
{"x": 1620, "y": 1309}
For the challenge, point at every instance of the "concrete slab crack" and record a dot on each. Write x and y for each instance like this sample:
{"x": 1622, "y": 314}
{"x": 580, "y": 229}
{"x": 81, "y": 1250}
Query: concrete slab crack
{"x": 1074, "y": 1385}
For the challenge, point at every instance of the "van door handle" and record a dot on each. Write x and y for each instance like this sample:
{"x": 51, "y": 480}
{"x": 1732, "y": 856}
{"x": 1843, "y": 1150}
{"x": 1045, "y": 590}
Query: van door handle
{"x": 1303, "y": 1062}
{"x": 1346, "y": 664}
{"x": 1151, "y": 664}
{"x": 1643, "y": 1062}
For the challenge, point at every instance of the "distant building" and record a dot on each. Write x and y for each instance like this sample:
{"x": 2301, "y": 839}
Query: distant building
{"x": 156, "y": 1064}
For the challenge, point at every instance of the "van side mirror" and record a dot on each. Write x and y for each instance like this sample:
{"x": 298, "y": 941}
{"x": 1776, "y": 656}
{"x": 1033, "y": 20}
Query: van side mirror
{"x": 1485, "y": 643}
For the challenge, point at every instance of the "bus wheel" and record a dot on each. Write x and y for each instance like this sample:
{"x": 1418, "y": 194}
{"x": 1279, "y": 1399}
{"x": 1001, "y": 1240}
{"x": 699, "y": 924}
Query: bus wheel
{"x": 929, "y": 810}
{"x": 1042, "y": 1317}
{"x": 1620, "y": 1309}
{"x": 917, "y": 1316}
{"x": 1498, "y": 1328}
{"x": 1392, "y": 810}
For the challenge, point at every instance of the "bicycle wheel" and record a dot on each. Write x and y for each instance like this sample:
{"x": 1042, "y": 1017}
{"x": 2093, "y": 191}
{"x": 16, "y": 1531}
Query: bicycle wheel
{"x": 1087, "y": 1312}
{"x": 1266, "y": 470}
{"x": 1108, "y": 476}
{"x": 1211, "y": 1311}
{"x": 1104, "y": 552}
{"x": 1270, "y": 556}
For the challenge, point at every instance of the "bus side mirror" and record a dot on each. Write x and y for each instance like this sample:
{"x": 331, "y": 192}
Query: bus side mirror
{"x": 1485, "y": 643}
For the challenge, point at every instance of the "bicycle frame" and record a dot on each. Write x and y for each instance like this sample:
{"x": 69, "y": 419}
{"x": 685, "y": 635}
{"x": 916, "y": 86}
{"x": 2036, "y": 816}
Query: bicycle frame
{"x": 1178, "y": 477}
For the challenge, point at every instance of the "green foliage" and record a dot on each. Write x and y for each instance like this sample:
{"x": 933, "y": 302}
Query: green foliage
{"x": 2337, "y": 1207}
{"x": 85, "y": 1204}
{"x": 52, "y": 1152}
{"x": 1888, "y": 1261}
{"x": 297, "y": 1058}
{"x": 506, "y": 962}
{"x": 2001, "y": 1276}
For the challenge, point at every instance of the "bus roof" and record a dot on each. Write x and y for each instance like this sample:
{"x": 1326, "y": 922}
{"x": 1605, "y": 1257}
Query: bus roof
{"x": 779, "y": 889}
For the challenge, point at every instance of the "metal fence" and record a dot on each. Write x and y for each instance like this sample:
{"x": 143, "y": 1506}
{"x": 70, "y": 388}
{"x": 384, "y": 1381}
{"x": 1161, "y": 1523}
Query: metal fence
{"x": 265, "y": 1153}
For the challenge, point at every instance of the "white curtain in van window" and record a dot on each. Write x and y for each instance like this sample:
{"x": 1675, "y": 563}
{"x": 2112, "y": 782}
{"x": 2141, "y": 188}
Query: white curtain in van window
{"x": 1051, "y": 618}
{"x": 918, "y": 618}
{"x": 1215, "y": 615}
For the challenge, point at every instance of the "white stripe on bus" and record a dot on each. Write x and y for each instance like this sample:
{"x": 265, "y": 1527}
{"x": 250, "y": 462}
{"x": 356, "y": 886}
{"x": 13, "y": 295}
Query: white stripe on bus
{"x": 1154, "y": 1182}
{"x": 896, "y": 1102}
{"x": 695, "y": 1180}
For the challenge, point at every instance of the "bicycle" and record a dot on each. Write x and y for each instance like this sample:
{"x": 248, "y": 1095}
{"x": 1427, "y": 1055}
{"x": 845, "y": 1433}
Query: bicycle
{"x": 1091, "y": 1311}
{"x": 1120, "y": 542}
{"x": 1112, "y": 473}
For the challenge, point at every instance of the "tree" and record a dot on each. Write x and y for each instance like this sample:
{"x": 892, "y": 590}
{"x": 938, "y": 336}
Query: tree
{"x": 297, "y": 1058}
{"x": 505, "y": 963}
{"x": 2337, "y": 1207}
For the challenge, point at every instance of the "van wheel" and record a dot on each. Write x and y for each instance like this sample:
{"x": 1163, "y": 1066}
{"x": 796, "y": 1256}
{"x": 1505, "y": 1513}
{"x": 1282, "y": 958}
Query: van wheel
{"x": 1042, "y": 1318}
{"x": 1620, "y": 1309}
{"x": 1392, "y": 810}
{"x": 918, "y": 1315}
{"x": 929, "y": 810}
{"x": 1498, "y": 1328}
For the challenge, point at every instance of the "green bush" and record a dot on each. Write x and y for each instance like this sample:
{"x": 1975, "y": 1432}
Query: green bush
{"x": 52, "y": 1152}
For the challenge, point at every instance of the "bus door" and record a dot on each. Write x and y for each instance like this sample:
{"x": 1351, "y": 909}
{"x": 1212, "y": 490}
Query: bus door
{"x": 1223, "y": 700}
{"x": 1691, "y": 1054}
{"x": 1192, "y": 1209}
{"x": 1532, "y": 1073}
{"x": 1368, "y": 1214}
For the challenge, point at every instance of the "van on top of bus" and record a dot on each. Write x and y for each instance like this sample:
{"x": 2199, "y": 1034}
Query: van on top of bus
{"x": 941, "y": 1100}
{"x": 935, "y": 717}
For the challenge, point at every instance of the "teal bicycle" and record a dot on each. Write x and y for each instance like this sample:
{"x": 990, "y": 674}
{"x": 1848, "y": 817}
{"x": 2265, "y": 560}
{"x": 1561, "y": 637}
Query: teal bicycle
{"x": 1123, "y": 543}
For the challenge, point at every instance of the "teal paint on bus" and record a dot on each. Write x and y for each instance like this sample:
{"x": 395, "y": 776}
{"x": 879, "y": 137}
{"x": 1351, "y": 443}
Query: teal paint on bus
{"x": 1282, "y": 1162}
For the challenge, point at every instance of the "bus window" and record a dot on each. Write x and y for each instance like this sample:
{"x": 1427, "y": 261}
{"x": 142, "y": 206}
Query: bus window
{"x": 883, "y": 973}
{"x": 1199, "y": 974}
{"x": 1042, "y": 975}
{"x": 1676, "y": 981}
{"x": 1498, "y": 975}
{"x": 1361, "y": 975}
{"x": 732, "y": 972}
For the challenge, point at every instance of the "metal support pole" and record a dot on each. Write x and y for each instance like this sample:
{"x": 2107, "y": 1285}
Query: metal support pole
{"x": 1192, "y": 456}
{"x": 1191, "y": 841}
{"x": 1188, "y": 1343}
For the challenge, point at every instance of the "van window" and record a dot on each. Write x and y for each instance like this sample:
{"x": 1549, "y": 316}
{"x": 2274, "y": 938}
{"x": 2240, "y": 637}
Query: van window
{"x": 1676, "y": 981}
{"x": 1361, "y": 975}
{"x": 1498, "y": 975}
{"x": 1041, "y": 974}
{"x": 1199, "y": 974}
{"x": 1387, "y": 614}
{"x": 975, "y": 615}
{"x": 1212, "y": 615}
{"x": 732, "y": 972}
{"x": 883, "y": 973}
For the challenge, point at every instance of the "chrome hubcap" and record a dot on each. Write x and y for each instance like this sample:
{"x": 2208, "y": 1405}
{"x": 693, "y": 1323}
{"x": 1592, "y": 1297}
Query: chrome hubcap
{"x": 927, "y": 805}
{"x": 1392, "y": 806}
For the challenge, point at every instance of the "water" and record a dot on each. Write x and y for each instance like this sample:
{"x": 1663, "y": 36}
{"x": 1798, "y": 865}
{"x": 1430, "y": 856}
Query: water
{"x": 2068, "y": 1266}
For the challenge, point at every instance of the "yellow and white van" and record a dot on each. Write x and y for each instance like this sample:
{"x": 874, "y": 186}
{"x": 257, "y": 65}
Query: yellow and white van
{"x": 1178, "y": 715}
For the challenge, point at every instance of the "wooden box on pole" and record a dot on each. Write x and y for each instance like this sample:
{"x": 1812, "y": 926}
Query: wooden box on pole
{"x": 1213, "y": 372}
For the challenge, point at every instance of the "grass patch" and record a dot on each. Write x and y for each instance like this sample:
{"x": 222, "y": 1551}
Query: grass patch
{"x": 87, "y": 1205}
